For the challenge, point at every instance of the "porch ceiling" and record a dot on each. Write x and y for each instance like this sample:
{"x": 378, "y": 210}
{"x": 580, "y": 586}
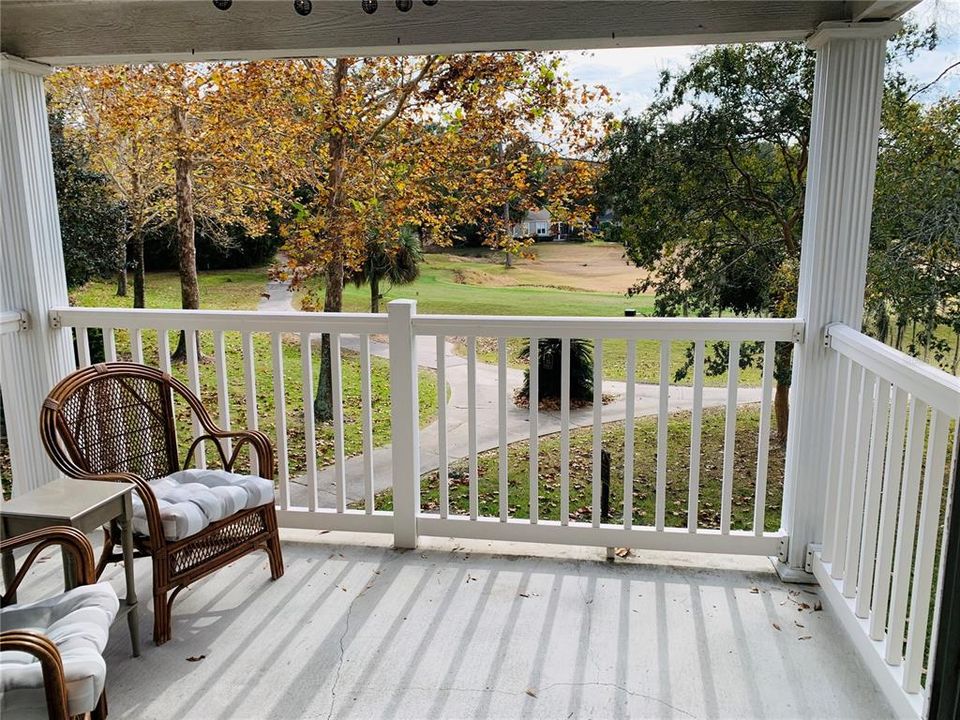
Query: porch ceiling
{"x": 63, "y": 32}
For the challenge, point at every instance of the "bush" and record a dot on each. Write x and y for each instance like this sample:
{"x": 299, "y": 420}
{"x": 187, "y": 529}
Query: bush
{"x": 550, "y": 354}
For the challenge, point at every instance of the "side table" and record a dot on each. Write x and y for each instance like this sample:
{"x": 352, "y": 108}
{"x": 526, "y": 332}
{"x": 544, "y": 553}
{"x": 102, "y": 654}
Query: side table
{"x": 85, "y": 505}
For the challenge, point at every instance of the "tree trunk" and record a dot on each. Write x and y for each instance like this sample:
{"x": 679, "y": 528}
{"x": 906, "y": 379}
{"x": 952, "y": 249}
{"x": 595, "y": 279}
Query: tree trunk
{"x": 333, "y": 291}
{"x": 139, "y": 274}
{"x": 781, "y": 410}
{"x": 374, "y": 293}
{"x": 186, "y": 229}
{"x": 122, "y": 269}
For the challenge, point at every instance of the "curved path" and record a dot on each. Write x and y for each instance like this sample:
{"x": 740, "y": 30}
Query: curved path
{"x": 278, "y": 299}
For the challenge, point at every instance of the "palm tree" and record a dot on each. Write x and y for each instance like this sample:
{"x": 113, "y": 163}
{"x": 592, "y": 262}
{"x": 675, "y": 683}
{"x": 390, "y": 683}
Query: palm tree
{"x": 398, "y": 264}
{"x": 549, "y": 377}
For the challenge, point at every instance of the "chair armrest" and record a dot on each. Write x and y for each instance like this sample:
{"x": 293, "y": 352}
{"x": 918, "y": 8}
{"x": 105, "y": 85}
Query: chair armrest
{"x": 256, "y": 439}
{"x": 51, "y": 664}
{"x": 70, "y": 539}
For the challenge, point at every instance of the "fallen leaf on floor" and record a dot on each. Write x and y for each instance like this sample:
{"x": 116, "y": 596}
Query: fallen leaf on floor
{"x": 471, "y": 578}
{"x": 797, "y": 624}
{"x": 775, "y": 626}
{"x": 817, "y": 606}
{"x": 754, "y": 591}
{"x": 805, "y": 637}
{"x": 531, "y": 692}
{"x": 195, "y": 658}
{"x": 622, "y": 552}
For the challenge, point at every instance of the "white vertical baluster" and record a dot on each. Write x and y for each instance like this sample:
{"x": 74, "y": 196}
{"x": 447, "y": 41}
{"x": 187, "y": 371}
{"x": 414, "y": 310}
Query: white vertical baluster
{"x": 696, "y": 422}
{"x": 926, "y": 550}
{"x": 83, "y": 346}
{"x": 730, "y": 435}
{"x": 336, "y": 386}
{"x": 163, "y": 350}
{"x": 663, "y": 418}
{"x": 871, "y": 515}
{"x": 474, "y": 479}
{"x": 842, "y": 371}
{"x": 309, "y": 423}
{"x": 628, "y": 434}
{"x": 366, "y": 421}
{"x": 503, "y": 457}
{"x": 443, "y": 468}
{"x": 193, "y": 381}
{"x": 845, "y": 477}
{"x": 250, "y": 394}
{"x": 136, "y": 345}
{"x": 223, "y": 389}
{"x": 565, "y": 431}
{"x": 596, "y": 485}
{"x": 892, "y": 466}
{"x": 858, "y": 485}
{"x": 534, "y": 445}
{"x": 906, "y": 531}
{"x": 109, "y": 345}
{"x": 280, "y": 419}
{"x": 763, "y": 442}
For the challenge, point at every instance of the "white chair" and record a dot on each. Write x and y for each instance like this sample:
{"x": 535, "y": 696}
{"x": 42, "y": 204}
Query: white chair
{"x": 51, "y": 663}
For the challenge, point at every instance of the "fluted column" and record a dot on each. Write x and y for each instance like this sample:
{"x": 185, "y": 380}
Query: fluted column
{"x": 845, "y": 123}
{"x": 32, "y": 275}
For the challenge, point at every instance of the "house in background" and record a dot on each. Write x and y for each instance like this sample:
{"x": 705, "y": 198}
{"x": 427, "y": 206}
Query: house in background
{"x": 540, "y": 225}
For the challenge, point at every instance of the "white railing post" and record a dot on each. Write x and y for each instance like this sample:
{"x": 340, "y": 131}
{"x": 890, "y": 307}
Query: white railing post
{"x": 32, "y": 275}
{"x": 404, "y": 422}
{"x": 845, "y": 123}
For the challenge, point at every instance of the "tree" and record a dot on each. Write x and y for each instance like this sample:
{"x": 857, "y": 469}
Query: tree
{"x": 914, "y": 264}
{"x": 115, "y": 114}
{"x": 397, "y": 141}
{"x": 90, "y": 217}
{"x": 173, "y": 140}
{"x": 709, "y": 183}
{"x": 397, "y": 263}
{"x": 549, "y": 370}
{"x": 712, "y": 200}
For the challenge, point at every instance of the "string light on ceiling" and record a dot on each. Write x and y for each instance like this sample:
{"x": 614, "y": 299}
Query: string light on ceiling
{"x": 305, "y": 7}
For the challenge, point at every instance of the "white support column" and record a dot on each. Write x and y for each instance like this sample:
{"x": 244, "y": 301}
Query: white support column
{"x": 32, "y": 277}
{"x": 404, "y": 421}
{"x": 845, "y": 123}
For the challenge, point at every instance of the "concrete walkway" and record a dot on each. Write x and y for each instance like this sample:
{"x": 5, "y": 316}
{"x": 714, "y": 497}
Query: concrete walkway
{"x": 518, "y": 420}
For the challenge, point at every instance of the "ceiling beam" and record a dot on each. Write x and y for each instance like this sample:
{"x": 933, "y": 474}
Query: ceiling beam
{"x": 63, "y": 32}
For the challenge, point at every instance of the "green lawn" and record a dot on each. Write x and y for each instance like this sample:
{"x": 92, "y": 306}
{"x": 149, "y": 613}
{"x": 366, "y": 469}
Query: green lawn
{"x": 240, "y": 290}
{"x": 644, "y": 495}
{"x": 438, "y": 292}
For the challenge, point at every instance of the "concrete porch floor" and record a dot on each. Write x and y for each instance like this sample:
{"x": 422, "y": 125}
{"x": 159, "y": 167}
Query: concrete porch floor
{"x": 460, "y": 629}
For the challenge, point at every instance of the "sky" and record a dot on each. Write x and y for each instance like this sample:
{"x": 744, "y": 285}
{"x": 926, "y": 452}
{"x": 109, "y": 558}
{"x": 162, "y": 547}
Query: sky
{"x": 632, "y": 74}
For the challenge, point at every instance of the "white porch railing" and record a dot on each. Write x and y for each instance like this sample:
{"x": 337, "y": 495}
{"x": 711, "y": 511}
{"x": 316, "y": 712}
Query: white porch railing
{"x": 343, "y": 495}
{"x": 885, "y": 505}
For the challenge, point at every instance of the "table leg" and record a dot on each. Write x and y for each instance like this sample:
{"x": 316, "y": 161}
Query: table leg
{"x": 69, "y": 570}
{"x": 126, "y": 533}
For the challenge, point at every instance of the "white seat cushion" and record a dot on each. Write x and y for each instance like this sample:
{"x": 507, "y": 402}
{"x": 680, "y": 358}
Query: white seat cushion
{"x": 78, "y": 623}
{"x": 190, "y": 500}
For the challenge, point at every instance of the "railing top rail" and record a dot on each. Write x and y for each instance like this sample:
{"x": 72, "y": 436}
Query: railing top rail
{"x": 630, "y": 328}
{"x": 930, "y": 384}
{"x": 239, "y": 320}
{"x": 12, "y": 321}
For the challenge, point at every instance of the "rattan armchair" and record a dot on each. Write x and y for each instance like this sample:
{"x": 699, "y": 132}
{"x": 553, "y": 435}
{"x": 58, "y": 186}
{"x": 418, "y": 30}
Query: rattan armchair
{"x": 38, "y": 645}
{"x": 116, "y": 422}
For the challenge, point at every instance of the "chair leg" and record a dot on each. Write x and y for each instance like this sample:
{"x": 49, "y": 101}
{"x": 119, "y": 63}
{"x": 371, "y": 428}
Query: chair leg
{"x": 276, "y": 555}
{"x": 161, "y": 618}
{"x": 100, "y": 711}
{"x": 107, "y": 552}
